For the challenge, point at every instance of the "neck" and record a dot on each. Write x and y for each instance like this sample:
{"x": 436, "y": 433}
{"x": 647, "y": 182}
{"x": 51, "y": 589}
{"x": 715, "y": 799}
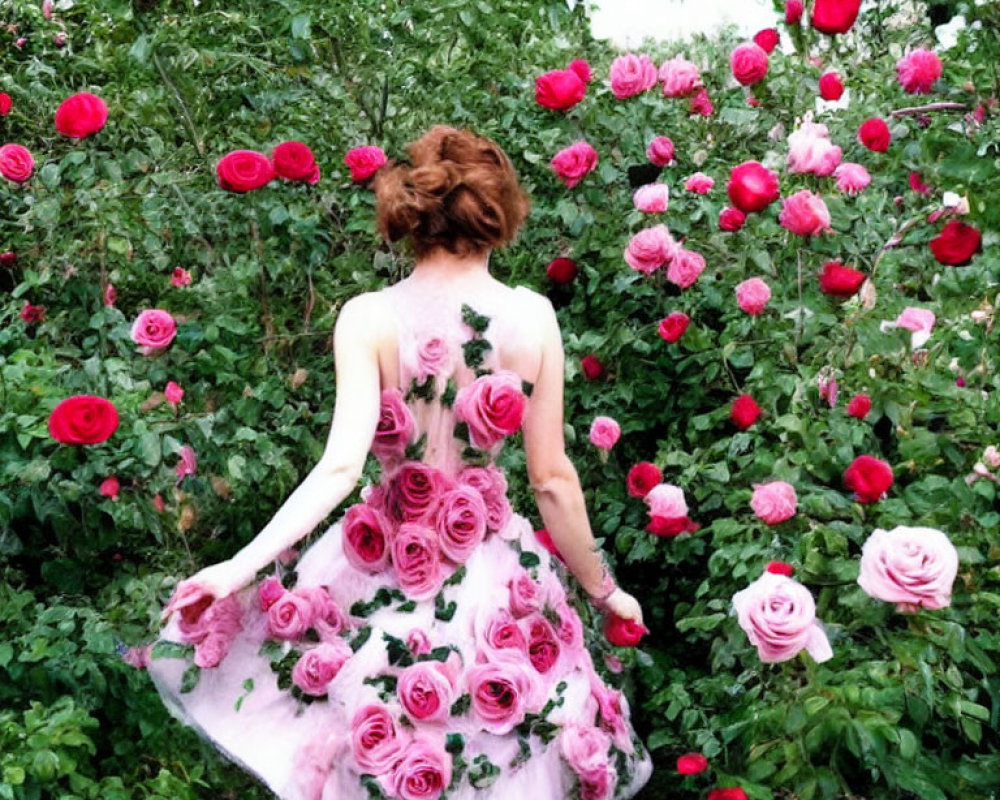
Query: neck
{"x": 442, "y": 264}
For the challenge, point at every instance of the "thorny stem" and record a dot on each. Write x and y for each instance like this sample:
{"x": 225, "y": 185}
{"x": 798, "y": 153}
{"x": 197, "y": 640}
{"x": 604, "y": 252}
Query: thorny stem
{"x": 911, "y": 110}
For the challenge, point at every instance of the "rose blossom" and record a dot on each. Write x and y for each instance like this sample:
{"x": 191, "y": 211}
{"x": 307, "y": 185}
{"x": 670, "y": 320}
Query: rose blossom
{"x": 692, "y": 764}
{"x": 672, "y": 326}
{"x": 294, "y": 161}
{"x": 426, "y": 691}
{"x": 110, "y": 295}
{"x": 592, "y": 368}
{"x": 315, "y": 668}
{"x": 491, "y": 484}
{"x": 778, "y": 615}
{"x": 582, "y": 68}
{"x": 752, "y": 187}
{"x": 920, "y": 321}
{"x": 138, "y": 657}
{"x": 623, "y": 632}
{"x": 173, "y": 393}
{"x": 727, "y": 793}
{"x": 874, "y": 134}
{"x": 699, "y": 183}
{"x": 917, "y": 185}
{"x": 609, "y": 705}
{"x": 679, "y": 77}
{"x": 573, "y": 163}
{"x": 211, "y": 650}
{"x": 767, "y": 39}
{"x": 852, "y": 178}
{"x": 219, "y": 619}
{"x": 430, "y": 355}
{"x": 525, "y": 597}
{"x": 749, "y": 63}
{"x": 153, "y": 330}
{"x": 395, "y": 426}
{"x": 364, "y": 162}
{"x": 543, "y": 645}
{"x": 830, "y": 86}
{"x": 289, "y": 617}
{"x": 913, "y": 567}
{"x": 632, "y": 75}
{"x": 269, "y": 592}
{"x": 918, "y": 71}
{"x": 492, "y": 406}
{"x": 80, "y": 115}
{"x": 666, "y": 500}
{"x": 752, "y": 295}
{"x": 745, "y": 412}
{"x": 424, "y": 772}
{"x": 811, "y": 151}
{"x": 327, "y": 618}
{"x": 32, "y": 314}
{"x": 16, "y": 162}
{"x": 642, "y": 478}
{"x": 834, "y": 16}
{"x": 660, "y": 151}
{"x": 417, "y": 559}
{"x": 500, "y": 693}
{"x": 561, "y": 270}
{"x": 415, "y": 491}
{"x": 570, "y": 630}
{"x": 774, "y": 502}
{"x": 840, "y": 281}
{"x": 652, "y": 198}
{"x": 376, "y": 742}
{"x": 956, "y": 244}
{"x": 804, "y": 214}
{"x": 685, "y": 267}
{"x": 991, "y": 455}
{"x": 649, "y": 249}
{"x": 604, "y": 432}
{"x": 417, "y": 642}
{"x": 731, "y": 219}
{"x": 701, "y": 103}
{"x": 560, "y": 89}
{"x": 586, "y": 750}
{"x": 365, "y": 538}
{"x": 461, "y": 523}
{"x": 793, "y": 12}
{"x": 780, "y": 568}
{"x": 499, "y": 638}
{"x": 244, "y": 171}
{"x": 869, "y": 478}
{"x": 180, "y": 277}
{"x": 859, "y": 406}
{"x": 188, "y": 463}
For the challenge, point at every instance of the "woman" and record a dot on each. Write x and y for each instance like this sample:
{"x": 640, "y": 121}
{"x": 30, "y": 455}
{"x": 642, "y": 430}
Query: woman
{"x": 425, "y": 642}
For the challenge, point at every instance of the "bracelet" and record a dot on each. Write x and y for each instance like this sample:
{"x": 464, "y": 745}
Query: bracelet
{"x": 608, "y": 588}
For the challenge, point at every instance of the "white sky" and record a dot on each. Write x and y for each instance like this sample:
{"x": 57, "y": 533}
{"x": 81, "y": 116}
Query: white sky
{"x": 628, "y": 22}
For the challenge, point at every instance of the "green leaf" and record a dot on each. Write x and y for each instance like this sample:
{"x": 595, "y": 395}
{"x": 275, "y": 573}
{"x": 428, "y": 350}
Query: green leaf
{"x": 190, "y": 678}
{"x": 529, "y": 559}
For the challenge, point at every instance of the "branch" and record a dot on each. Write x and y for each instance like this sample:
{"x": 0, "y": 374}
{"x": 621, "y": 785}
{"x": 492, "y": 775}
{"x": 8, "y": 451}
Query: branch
{"x": 180, "y": 100}
{"x": 912, "y": 110}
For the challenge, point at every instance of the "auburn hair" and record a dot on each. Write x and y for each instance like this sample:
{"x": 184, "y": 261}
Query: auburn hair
{"x": 459, "y": 192}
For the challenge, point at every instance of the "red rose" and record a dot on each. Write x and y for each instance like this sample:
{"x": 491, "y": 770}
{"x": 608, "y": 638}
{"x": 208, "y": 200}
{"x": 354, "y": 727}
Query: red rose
{"x": 745, "y": 412}
{"x": 561, "y": 270}
{"x": 643, "y": 477}
{"x": 415, "y": 492}
{"x": 8, "y": 258}
{"x": 669, "y": 527}
{"x": 917, "y": 184}
{"x": 80, "y": 115}
{"x": 731, "y": 219}
{"x": 859, "y": 406}
{"x": 672, "y": 326}
{"x": 729, "y": 793}
{"x": 244, "y": 171}
{"x": 5, "y": 104}
{"x": 32, "y": 314}
{"x": 623, "y": 632}
{"x": 780, "y": 568}
{"x": 752, "y": 187}
{"x": 692, "y": 764}
{"x": 294, "y": 161}
{"x": 581, "y": 68}
{"x": 874, "y": 134}
{"x": 749, "y": 64}
{"x": 365, "y": 538}
{"x": 830, "y": 86}
{"x": 365, "y": 162}
{"x": 835, "y": 16}
{"x": 956, "y": 244}
{"x": 701, "y": 103}
{"x": 869, "y": 477}
{"x": 793, "y": 12}
{"x": 767, "y": 39}
{"x": 592, "y": 369}
{"x": 559, "y": 90}
{"x": 83, "y": 419}
{"x": 840, "y": 281}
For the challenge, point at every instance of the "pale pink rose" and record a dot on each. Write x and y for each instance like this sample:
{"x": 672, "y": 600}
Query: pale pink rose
{"x": 573, "y": 163}
{"x": 685, "y": 267}
{"x": 650, "y": 249}
{"x": 586, "y": 750}
{"x": 500, "y": 694}
{"x": 366, "y": 540}
{"x": 174, "y": 393}
{"x": 614, "y": 664}
{"x": 604, "y": 432}
{"x": 289, "y": 617}
{"x": 210, "y": 651}
{"x": 418, "y": 642}
{"x": 699, "y": 183}
{"x": 491, "y": 484}
{"x": 774, "y": 502}
{"x": 109, "y": 488}
{"x": 499, "y": 638}
{"x": 992, "y": 456}
{"x": 461, "y": 523}
{"x": 525, "y": 597}
{"x": 852, "y": 178}
{"x": 610, "y": 707}
{"x": 919, "y": 321}
{"x": 188, "y": 463}
{"x": 492, "y": 406}
{"x": 221, "y": 620}
{"x": 376, "y": 742}
{"x": 431, "y": 356}
{"x": 318, "y": 666}
{"x": 653, "y": 198}
{"x": 138, "y": 657}
{"x": 811, "y": 151}
{"x": 395, "y": 426}
{"x": 804, "y": 214}
{"x": 631, "y": 75}
{"x": 314, "y": 761}
{"x": 110, "y": 295}
{"x": 778, "y": 615}
{"x": 415, "y": 492}
{"x": 913, "y": 567}
{"x": 424, "y": 771}
{"x": 679, "y": 77}
{"x": 180, "y": 277}
{"x": 269, "y": 592}
{"x": 47, "y": 9}
{"x": 426, "y": 691}
{"x": 416, "y": 555}
{"x": 59, "y": 39}
{"x": 327, "y": 618}
{"x": 153, "y": 330}
{"x": 666, "y": 500}
{"x": 660, "y": 151}
{"x": 753, "y": 295}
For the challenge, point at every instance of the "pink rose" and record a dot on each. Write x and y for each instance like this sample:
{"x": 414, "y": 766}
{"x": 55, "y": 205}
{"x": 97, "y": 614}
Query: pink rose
{"x": 499, "y": 638}
{"x": 188, "y": 463}
{"x": 500, "y": 694}
{"x": 376, "y": 742}
{"x": 365, "y": 538}
{"x": 138, "y": 657}
{"x": 492, "y": 406}
{"x": 173, "y": 393}
{"x": 16, "y": 162}
{"x": 852, "y": 178}
{"x": 913, "y": 567}
{"x": 749, "y": 63}
{"x": 804, "y": 214}
{"x": 423, "y": 773}
{"x": 586, "y": 750}
{"x": 461, "y": 523}
{"x": 109, "y": 488}
{"x": 919, "y": 321}
{"x": 570, "y": 630}
{"x": 679, "y": 77}
{"x": 666, "y": 500}
{"x": 685, "y": 267}
{"x": 289, "y": 617}
{"x": 415, "y": 492}
{"x": 604, "y": 432}
{"x": 269, "y": 592}
{"x": 731, "y": 219}
{"x": 222, "y": 618}
{"x": 543, "y": 644}
{"x": 153, "y": 330}
{"x": 918, "y": 71}
{"x": 432, "y": 356}
{"x": 609, "y": 705}
{"x": 418, "y": 642}
{"x": 180, "y": 277}
{"x": 364, "y": 162}
{"x": 753, "y": 295}
{"x": 701, "y": 103}
{"x": 210, "y": 651}
{"x": 774, "y": 502}
{"x": 573, "y": 163}
{"x": 327, "y": 618}
{"x": 632, "y": 75}
{"x": 315, "y": 668}
{"x": 416, "y": 556}
{"x": 778, "y": 615}
{"x": 649, "y": 249}
{"x": 426, "y": 691}
{"x": 491, "y": 484}
{"x": 110, "y": 295}
{"x": 660, "y": 151}
{"x": 525, "y": 597}
{"x": 395, "y": 426}
{"x": 652, "y": 198}
{"x": 811, "y": 151}
{"x": 699, "y": 183}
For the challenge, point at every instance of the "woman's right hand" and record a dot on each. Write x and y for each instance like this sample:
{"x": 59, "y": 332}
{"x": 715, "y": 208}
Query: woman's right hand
{"x": 622, "y": 604}
{"x": 217, "y": 581}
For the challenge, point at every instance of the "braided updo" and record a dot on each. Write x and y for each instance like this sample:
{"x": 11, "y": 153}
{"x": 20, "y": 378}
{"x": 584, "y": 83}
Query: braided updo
{"x": 459, "y": 192}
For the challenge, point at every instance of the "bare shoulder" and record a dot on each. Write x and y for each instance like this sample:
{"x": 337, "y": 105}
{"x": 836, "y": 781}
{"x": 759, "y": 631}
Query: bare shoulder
{"x": 537, "y": 312}
{"x": 366, "y": 316}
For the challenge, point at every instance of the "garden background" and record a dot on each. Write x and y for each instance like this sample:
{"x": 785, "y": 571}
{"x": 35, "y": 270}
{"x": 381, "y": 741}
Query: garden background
{"x": 909, "y": 704}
